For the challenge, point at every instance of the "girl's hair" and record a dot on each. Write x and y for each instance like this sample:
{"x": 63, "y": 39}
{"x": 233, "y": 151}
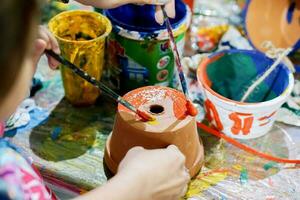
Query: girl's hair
{"x": 17, "y": 22}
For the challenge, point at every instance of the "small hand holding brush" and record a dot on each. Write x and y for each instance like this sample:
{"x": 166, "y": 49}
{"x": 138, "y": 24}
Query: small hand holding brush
{"x": 191, "y": 110}
{"x": 145, "y": 116}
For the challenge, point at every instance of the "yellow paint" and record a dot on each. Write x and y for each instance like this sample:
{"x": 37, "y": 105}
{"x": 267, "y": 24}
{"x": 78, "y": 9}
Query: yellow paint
{"x": 204, "y": 181}
{"x": 237, "y": 167}
{"x": 250, "y": 158}
{"x": 154, "y": 123}
{"x": 81, "y": 36}
{"x": 180, "y": 30}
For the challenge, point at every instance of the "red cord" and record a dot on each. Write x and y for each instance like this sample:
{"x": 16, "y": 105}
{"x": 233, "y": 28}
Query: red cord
{"x": 244, "y": 147}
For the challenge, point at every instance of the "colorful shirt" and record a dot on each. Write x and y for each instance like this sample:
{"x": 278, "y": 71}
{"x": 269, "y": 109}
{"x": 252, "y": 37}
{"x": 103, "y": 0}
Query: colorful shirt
{"x": 18, "y": 178}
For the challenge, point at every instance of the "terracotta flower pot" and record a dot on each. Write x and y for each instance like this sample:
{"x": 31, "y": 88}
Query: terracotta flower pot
{"x": 172, "y": 126}
{"x": 273, "y": 20}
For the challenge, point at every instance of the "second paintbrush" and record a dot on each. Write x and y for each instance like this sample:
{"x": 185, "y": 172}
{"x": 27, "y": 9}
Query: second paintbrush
{"x": 191, "y": 109}
{"x": 145, "y": 116}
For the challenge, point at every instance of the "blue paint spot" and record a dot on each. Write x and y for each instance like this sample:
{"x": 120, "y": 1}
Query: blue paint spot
{"x": 55, "y": 133}
{"x": 290, "y": 12}
{"x": 227, "y": 43}
{"x": 223, "y": 198}
{"x": 244, "y": 176}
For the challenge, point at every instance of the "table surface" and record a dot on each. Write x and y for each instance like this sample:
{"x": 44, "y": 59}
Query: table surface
{"x": 74, "y": 159}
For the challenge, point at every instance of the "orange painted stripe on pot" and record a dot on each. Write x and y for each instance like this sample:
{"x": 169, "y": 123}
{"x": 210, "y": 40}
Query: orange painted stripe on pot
{"x": 201, "y": 72}
{"x": 212, "y": 114}
{"x": 244, "y": 114}
{"x": 264, "y": 123}
{"x": 267, "y": 117}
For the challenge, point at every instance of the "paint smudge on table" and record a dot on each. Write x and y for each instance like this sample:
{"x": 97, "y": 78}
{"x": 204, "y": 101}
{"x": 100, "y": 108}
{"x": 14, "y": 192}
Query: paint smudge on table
{"x": 270, "y": 165}
{"x": 244, "y": 176}
{"x": 56, "y": 133}
{"x": 205, "y": 180}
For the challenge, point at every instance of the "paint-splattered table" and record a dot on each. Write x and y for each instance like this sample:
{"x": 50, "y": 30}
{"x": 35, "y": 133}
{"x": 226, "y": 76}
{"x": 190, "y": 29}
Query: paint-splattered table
{"x": 68, "y": 149}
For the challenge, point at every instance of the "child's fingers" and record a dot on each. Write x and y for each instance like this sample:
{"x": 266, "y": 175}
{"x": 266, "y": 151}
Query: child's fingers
{"x": 53, "y": 42}
{"x": 53, "y": 63}
{"x": 151, "y": 2}
{"x": 42, "y": 35}
{"x": 39, "y": 48}
{"x": 170, "y": 9}
{"x": 159, "y": 17}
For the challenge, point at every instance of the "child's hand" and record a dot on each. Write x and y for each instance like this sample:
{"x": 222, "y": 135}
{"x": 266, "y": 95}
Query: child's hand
{"x": 160, "y": 173}
{"x": 169, "y": 6}
{"x": 45, "y": 40}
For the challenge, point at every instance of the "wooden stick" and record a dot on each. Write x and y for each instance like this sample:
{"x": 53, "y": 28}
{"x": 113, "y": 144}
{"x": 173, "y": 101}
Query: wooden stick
{"x": 265, "y": 75}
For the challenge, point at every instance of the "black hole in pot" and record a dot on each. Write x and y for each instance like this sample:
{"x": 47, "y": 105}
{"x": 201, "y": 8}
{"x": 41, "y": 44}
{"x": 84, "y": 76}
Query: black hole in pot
{"x": 156, "y": 109}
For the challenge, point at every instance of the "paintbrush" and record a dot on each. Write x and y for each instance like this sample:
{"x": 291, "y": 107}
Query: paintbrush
{"x": 145, "y": 116}
{"x": 189, "y": 105}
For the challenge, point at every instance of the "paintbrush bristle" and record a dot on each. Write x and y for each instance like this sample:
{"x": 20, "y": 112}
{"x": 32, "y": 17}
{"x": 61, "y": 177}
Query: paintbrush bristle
{"x": 191, "y": 109}
{"x": 145, "y": 116}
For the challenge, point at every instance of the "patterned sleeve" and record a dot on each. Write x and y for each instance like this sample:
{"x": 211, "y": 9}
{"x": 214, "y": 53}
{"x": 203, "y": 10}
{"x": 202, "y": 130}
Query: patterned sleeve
{"x": 18, "y": 178}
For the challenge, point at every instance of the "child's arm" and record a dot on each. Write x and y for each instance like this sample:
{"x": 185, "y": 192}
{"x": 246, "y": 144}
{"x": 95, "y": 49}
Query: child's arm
{"x": 169, "y": 6}
{"x": 146, "y": 175}
{"x": 115, "y": 3}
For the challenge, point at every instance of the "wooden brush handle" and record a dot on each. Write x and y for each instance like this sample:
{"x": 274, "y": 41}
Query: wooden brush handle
{"x": 90, "y": 79}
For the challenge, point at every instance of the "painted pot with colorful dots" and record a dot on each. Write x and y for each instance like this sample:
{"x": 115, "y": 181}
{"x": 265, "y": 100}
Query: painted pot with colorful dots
{"x": 138, "y": 48}
{"x": 225, "y": 76}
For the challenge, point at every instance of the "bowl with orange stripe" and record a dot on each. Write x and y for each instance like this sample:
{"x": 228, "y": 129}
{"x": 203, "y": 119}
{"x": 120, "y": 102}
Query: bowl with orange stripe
{"x": 225, "y": 76}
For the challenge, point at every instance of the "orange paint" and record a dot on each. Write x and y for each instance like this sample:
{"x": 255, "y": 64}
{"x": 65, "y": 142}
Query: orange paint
{"x": 191, "y": 109}
{"x": 244, "y": 114}
{"x": 141, "y": 96}
{"x": 212, "y": 114}
{"x": 190, "y": 3}
{"x": 145, "y": 116}
{"x": 263, "y": 124}
{"x": 267, "y": 117}
{"x": 241, "y": 123}
{"x": 244, "y": 147}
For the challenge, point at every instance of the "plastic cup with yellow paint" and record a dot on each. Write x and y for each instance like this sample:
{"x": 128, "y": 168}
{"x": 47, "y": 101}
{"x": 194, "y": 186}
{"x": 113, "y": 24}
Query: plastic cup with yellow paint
{"x": 81, "y": 36}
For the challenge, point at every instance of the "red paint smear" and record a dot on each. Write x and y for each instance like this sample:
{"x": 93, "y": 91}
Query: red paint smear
{"x": 244, "y": 147}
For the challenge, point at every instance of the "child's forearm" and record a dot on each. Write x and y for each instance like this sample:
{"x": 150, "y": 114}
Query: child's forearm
{"x": 103, "y": 3}
{"x": 119, "y": 187}
{"x": 115, "y": 3}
